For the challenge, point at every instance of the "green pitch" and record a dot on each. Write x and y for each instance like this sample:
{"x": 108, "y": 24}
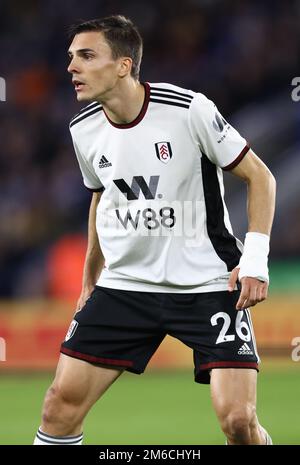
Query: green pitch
{"x": 155, "y": 408}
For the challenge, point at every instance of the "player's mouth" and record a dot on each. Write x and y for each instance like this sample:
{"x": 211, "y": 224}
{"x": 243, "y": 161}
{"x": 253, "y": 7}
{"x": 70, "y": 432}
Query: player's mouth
{"x": 78, "y": 85}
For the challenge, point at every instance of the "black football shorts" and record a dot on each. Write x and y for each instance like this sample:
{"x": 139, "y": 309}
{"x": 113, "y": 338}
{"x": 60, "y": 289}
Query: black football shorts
{"x": 123, "y": 329}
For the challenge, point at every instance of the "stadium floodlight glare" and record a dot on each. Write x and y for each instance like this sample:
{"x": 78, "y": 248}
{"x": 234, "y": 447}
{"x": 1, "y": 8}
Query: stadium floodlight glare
{"x": 2, "y": 90}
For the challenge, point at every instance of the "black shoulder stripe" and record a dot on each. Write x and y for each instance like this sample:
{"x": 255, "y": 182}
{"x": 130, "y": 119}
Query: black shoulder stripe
{"x": 174, "y": 97}
{"x": 87, "y": 108}
{"x": 168, "y": 102}
{"x": 85, "y": 115}
{"x": 171, "y": 91}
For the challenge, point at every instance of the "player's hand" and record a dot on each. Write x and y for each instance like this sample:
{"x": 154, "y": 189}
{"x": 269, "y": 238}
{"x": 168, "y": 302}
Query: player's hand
{"x": 85, "y": 294}
{"x": 253, "y": 290}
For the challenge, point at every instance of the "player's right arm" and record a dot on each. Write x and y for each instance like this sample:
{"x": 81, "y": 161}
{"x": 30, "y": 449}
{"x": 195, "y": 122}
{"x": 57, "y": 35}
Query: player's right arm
{"x": 94, "y": 260}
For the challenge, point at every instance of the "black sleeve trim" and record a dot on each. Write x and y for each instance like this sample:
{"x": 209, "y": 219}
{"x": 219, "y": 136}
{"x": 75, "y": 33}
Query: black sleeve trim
{"x": 100, "y": 189}
{"x": 238, "y": 159}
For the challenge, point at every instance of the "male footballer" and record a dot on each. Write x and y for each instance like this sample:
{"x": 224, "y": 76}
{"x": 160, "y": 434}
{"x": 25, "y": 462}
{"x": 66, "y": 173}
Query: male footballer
{"x": 161, "y": 257}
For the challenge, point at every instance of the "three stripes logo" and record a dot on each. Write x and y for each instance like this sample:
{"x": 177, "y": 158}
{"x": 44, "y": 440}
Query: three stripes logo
{"x": 86, "y": 112}
{"x": 245, "y": 350}
{"x": 169, "y": 96}
{"x": 163, "y": 151}
{"x": 104, "y": 163}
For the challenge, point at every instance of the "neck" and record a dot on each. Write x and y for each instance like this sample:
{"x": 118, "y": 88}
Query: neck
{"x": 125, "y": 101}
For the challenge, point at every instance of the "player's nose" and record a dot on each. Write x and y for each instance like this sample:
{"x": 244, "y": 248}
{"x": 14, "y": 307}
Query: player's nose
{"x": 73, "y": 68}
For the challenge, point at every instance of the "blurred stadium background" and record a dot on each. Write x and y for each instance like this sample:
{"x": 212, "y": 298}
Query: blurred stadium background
{"x": 243, "y": 55}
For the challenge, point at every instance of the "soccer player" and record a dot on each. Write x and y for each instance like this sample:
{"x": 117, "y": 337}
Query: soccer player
{"x": 161, "y": 256}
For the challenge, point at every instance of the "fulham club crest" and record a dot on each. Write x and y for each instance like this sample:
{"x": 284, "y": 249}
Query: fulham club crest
{"x": 163, "y": 151}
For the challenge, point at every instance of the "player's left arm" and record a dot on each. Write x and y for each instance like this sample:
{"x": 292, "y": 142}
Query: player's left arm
{"x": 252, "y": 270}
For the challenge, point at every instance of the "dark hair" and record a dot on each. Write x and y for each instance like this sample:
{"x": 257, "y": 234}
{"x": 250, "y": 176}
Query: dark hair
{"x": 121, "y": 35}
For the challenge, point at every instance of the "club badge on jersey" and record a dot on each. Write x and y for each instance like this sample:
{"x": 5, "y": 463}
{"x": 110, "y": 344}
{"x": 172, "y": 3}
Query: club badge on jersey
{"x": 163, "y": 151}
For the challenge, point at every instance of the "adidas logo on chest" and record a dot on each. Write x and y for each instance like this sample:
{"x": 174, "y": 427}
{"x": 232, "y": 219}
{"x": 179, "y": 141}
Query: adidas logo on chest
{"x": 104, "y": 163}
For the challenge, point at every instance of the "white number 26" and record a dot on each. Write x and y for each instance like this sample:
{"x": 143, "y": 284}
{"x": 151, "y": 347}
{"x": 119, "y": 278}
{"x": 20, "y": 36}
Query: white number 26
{"x": 241, "y": 327}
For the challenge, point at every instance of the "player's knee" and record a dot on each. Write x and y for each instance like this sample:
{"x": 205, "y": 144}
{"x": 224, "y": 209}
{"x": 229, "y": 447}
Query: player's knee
{"x": 238, "y": 421}
{"x": 62, "y": 405}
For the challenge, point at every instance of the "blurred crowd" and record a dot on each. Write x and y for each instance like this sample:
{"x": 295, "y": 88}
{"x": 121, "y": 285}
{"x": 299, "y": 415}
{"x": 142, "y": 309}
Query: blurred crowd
{"x": 236, "y": 52}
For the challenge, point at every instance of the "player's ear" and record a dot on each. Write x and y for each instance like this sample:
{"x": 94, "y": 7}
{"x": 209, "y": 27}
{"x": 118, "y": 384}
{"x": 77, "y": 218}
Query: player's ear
{"x": 125, "y": 66}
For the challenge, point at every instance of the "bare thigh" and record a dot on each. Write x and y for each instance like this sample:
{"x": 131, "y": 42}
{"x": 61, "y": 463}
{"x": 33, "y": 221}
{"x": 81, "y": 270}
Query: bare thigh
{"x": 80, "y": 383}
{"x": 233, "y": 389}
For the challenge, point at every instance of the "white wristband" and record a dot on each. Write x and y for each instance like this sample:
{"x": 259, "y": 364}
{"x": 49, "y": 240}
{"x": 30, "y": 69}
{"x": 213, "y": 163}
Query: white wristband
{"x": 254, "y": 261}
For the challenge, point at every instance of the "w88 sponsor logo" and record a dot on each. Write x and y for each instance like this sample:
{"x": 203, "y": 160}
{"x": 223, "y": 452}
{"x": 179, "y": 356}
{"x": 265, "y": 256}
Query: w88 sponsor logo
{"x": 150, "y": 218}
{"x": 143, "y": 211}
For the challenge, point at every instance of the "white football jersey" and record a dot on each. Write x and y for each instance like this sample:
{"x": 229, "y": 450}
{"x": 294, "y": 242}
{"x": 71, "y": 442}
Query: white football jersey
{"x": 162, "y": 222}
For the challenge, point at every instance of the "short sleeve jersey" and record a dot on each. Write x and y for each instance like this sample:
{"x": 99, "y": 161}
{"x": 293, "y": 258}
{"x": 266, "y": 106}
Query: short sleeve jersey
{"x": 162, "y": 222}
